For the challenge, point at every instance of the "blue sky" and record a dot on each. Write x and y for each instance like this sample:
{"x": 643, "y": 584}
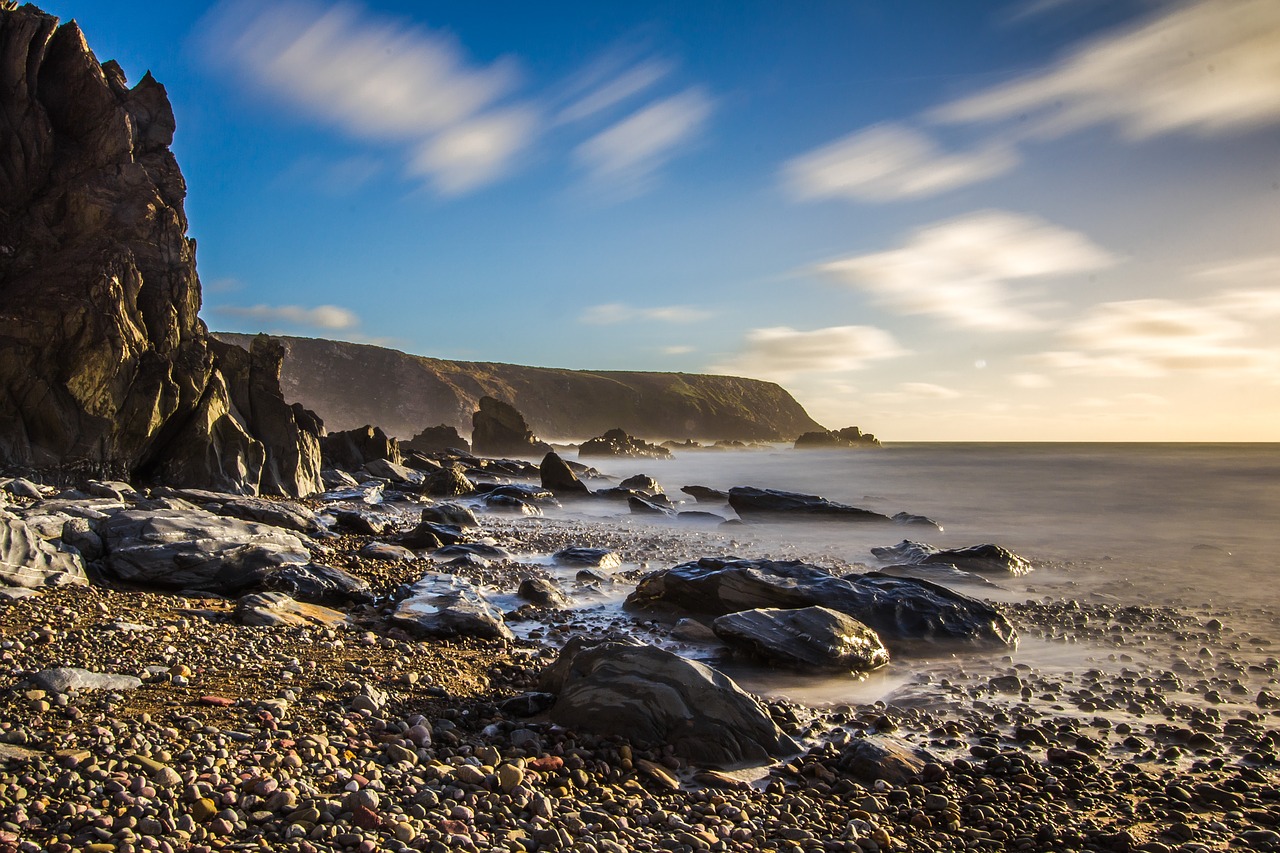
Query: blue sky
{"x": 1034, "y": 220}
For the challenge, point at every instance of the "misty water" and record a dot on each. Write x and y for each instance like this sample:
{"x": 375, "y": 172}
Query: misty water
{"x": 1196, "y": 527}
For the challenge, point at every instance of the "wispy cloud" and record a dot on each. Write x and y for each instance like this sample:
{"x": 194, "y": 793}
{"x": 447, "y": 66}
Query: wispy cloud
{"x": 616, "y": 312}
{"x": 914, "y": 392}
{"x": 377, "y": 79}
{"x": 1209, "y": 67}
{"x": 609, "y": 82}
{"x": 623, "y": 158}
{"x": 888, "y": 162}
{"x": 1149, "y": 338}
{"x": 781, "y": 352}
{"x": 963, "y": 270}
{"x": 329, "y": 317}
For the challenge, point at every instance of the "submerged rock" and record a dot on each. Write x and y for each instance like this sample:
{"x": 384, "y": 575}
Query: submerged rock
{"x": 617, "y": 443}
{"x": 976, "y": 558}
{"x": 905, "y": 612}
{"x": 442, "y": 605}
{"x": 807, "y": 638}
{"x": 705, "y": 495}
{"x": 654, "y": 697}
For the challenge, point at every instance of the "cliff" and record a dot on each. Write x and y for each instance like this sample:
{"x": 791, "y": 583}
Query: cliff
{"x": 350, "y": 385}
{"x": 105, "y": 367}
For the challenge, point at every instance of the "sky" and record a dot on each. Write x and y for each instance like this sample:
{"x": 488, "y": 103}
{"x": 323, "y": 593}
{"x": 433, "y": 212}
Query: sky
{"x": 1041, "y": 220}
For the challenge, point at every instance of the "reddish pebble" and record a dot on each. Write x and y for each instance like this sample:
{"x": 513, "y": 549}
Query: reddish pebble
{"x": 365, "y": 817}
{"x": 218, "y": 701}
{"x": 547, "y": 763}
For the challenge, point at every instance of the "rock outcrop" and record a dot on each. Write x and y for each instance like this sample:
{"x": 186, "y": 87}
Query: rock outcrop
{"x": 437, "y": 438}
{"x": 105, "y": 366}
{"x": 847, "y": 437}
{"x": 617, "y": 443}
{"x": 401, "y": 392}
{"x": 498, "y": 429}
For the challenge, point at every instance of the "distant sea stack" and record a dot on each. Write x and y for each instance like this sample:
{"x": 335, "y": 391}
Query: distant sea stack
{"x": 105, "y": 367}
{"x": 350, "y": 385}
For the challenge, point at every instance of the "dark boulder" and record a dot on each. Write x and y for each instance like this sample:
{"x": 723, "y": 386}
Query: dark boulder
{"x": 642, "y": 483}
{"x": 617, "y": 443}
{"x": 592, "y": 558}
{"x": 906, "y": 613}
{"x": 437, "y": 438}
{"x": 351, "y": 449}
{"x": 448, "y": 483}
{"x": 652, "y": 697}
{"x": 986, "y": 559}
{"x": 806, "y": 638}
{"x": 558, "y": 477}
{"x": 891, "y": 759}
{"x": 497, "y": 429}
{"x": 703, "y": 494}
{"x": 456, "y": 515}
{"x": 543, "y": 593}
{"x": 773, "y": 504}
{"x": 446, "y": 605}
{"x": 429, "y": 535}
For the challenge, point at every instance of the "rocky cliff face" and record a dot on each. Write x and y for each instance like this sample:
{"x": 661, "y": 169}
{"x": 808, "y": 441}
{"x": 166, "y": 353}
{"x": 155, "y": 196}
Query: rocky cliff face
{"x": 105, "y": 367}
{"x": 350, "y": 385}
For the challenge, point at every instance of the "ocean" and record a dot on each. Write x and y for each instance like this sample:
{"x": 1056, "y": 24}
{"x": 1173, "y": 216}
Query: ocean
{"x": 1192, "y": 526}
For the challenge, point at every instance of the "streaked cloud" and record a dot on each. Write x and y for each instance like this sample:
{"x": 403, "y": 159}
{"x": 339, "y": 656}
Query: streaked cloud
{"x": 889, "y": 162}
{"x": 623, "y": 158}
{"x": 1149, "y": 338}
{"x": 610, "y": 82}
{"x": 1209, "y": 67}
{"x": 964, "y": 270}
{"x": 377, "y": 79}
{"x": 913, "y": 392}
{"x": 613, "y": 313}
{"x": 781, "y": 352}
{"x": 320, "y": 317}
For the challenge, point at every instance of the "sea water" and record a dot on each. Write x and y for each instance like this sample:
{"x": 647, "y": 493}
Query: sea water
{"x": 1191, "y": 526}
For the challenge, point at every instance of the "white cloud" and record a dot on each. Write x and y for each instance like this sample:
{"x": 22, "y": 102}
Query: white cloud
{"x": 320, "y": 317}
{"x": 380, "y": 80}
{"x": 1160, "y": 337}
{"x": 624, "y": 157}
{"x": 616, "y": 312}
{"x": 781, "y": 352}
{"x": 1031, "y": 381}
{"x": 928, "y": 391}
{"x": 1208, "y": 67}
{"x": 888, "y": 162}
{"x": 961, "y": 270}
{"x": 604, "y": 86}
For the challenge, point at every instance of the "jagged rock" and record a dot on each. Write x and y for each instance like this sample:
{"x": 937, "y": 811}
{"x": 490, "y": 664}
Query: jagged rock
{"x": 65, "y": 679}
{"x": 364, "y": 522}
{"x": 452, "y": 514}
{"x": 197, "y": 550}
{"x": 806, "y": 638}
{"x": 557, "y": 476}
{"x": 906, "y": 613}
{"x": 275, "y": 609}
{"x": 497, "y": 429}
{"x": 401, "y": 475}
{"x": 419, "y": 461}
{"x": 27, "y": 560}
{"x": 617, "y": 443}
{"x": 352, "y": 449}
{"x": 593, "y": 558}
{"x": 653, "y": 697}
{"x": 642, "y": 483}
{"x": 642, "y": 506}
{"x": 447, "y": 605}
{"x": 448, "y": 483}
{"x": 437, "y": 438}
{"x": 106, "y": 366}
{"x": 847, "y": 437}
{"x": 543, "y": 593}
{"x": 975, "y": 558}
{"x": 703, "y": 494}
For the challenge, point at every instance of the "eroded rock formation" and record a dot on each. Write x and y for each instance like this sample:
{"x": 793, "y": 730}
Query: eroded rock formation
{"x": 105, "y": 365}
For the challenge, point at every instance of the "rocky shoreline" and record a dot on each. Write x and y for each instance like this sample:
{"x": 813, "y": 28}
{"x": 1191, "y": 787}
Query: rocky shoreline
{"x": 359, "y": 736}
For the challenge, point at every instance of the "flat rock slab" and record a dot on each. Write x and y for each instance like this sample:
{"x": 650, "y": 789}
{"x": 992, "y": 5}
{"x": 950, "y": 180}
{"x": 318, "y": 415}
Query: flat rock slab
{"x": 274, "y": 609}
{"x": 905, "y": 612}
{"x": 27, "y": 560}
{"x": 987, "y": 558}
{"x": 806, "y": 638}
{"x": 72, "y": 680}
{"x": 442, "y": 605}
{"x": 283, "y": 514}
{"x": 200, "y": 551}
{"x": 652, "y": 696}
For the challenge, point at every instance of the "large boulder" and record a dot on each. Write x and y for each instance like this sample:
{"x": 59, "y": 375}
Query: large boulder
{"x": 442, "y": 605}
{"x": 437, "y": 438}
{"x": 497, "y": 429}
{"x": 106, "y": 366}
{"x": 199, "y": 551}
{"x": 986, "y": 559}
{"x": 351, "y": 449}
{"x": 28, "y": 561}
{"x": 557, "y": 476}
{"x": 617, "y": 443}
{"x": 908, "y": 614}
{"x": 807, "y": 638}
{"x": 773, "y": 504}
{"x": 621, "y": 688}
